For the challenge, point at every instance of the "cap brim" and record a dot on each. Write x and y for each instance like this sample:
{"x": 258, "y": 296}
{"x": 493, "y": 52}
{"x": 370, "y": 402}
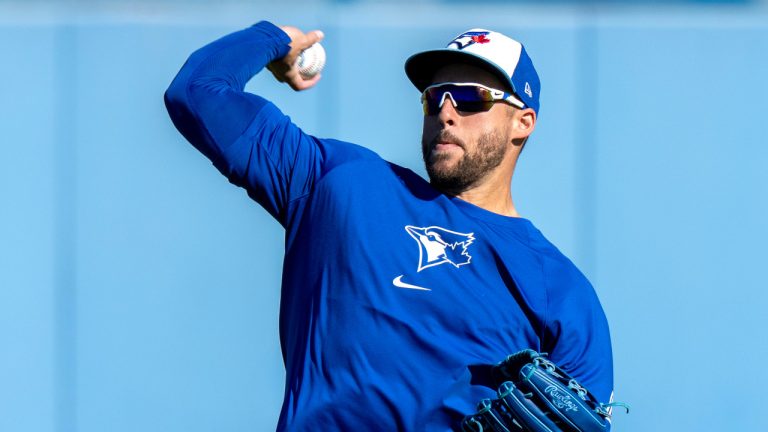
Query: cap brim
{"x": 421, "y": 67}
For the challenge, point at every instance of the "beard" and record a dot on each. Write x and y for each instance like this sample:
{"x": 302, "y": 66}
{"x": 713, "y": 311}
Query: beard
{"x": 474, "y": 165}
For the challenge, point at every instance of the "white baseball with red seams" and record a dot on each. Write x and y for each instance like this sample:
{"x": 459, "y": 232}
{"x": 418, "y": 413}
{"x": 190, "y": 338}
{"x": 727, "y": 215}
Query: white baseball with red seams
{"x": 311, "y": 61}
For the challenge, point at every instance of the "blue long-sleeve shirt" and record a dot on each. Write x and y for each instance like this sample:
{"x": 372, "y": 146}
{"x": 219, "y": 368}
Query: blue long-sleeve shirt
{"x": 395, "y": 298}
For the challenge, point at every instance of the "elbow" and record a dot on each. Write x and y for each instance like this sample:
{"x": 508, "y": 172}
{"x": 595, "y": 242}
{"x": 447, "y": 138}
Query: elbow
{"x": 175, "y": 97}
{"x": 191, "y": 93}
{"x": 179, "y": 106}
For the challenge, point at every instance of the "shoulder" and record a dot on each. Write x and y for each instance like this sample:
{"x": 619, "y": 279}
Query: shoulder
{"x": 355, "y": 161}
{"x": 563, "y": 278}
{"x": 554, "y": 259}
{"x": 336, "y": 153}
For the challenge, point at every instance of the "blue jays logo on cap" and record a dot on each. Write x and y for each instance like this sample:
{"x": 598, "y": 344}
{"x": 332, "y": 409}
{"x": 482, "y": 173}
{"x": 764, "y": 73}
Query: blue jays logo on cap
{"x": 470, "y": 38}
{"x": 439, "y": 246}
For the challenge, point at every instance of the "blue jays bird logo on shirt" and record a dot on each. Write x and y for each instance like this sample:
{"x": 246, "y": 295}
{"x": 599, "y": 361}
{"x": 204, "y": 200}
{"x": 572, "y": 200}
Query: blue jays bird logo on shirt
{"x": 439, "y": 246}
{"x": 470, "y": 38}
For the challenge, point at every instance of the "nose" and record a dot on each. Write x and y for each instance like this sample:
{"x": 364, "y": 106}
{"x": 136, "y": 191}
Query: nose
{"x": 448, "y": 113}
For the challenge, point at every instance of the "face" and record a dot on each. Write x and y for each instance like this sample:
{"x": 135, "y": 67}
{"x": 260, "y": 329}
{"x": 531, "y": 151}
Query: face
{"x": 459, "y": 148}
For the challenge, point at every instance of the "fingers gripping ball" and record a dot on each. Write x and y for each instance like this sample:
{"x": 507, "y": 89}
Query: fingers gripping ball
{"x": 311, "y": 61}
{"x": 534, "y": 394}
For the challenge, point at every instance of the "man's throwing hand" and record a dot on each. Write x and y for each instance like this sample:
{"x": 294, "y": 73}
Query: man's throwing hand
{"x": 285, "y": 69}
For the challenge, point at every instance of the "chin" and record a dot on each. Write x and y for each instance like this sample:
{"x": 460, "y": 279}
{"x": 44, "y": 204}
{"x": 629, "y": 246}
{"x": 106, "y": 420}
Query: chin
{"x": 443, "y": 162}
{"x": 443, "y": 176}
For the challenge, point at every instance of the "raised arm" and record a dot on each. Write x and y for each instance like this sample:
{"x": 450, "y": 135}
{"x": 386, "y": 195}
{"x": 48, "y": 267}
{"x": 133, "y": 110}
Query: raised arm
{"x": 245, "y": 136}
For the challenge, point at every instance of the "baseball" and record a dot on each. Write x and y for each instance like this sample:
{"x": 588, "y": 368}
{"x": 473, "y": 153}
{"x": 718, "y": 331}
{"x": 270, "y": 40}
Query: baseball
{"x": 311, "y": 61}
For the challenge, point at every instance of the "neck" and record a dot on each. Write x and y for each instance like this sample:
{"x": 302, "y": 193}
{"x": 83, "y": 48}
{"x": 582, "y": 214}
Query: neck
{"x": 493, "y": 193}
{"x": 496, "y": 199}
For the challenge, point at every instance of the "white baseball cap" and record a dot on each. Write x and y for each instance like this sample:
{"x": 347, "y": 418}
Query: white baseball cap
{"x": 499, "y": 54}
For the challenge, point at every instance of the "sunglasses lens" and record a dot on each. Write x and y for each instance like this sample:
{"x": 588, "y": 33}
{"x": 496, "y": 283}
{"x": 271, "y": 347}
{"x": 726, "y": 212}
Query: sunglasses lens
{"x": 468, "y": 98}
{"x": 430, "y": 103}
{"x": 472, "y": 98}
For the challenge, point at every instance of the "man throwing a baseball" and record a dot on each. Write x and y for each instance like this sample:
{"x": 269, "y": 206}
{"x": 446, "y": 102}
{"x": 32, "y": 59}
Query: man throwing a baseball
{"x": 399, "y": 294}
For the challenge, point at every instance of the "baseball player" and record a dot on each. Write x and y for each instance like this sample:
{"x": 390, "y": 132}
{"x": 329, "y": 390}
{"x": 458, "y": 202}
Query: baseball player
{"x": 399, "y": 294}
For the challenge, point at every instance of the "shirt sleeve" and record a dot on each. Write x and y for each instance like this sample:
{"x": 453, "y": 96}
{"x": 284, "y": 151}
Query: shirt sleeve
{"x": 576, "y": 334}
{"x": 245, "y": 136}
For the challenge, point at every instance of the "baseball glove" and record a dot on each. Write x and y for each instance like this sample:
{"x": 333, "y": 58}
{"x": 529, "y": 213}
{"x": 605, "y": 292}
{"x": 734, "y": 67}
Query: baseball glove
{"x": 535, "y": 395}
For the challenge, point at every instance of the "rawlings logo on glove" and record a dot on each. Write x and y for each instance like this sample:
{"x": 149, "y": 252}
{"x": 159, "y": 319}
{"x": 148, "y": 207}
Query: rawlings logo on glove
{"x": 560, "y": 399}
{"x": 535, "y": 395}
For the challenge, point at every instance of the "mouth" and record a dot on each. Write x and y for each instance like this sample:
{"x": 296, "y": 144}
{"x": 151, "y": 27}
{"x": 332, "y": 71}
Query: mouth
{"x": 445, "y": 146}
{"x": 446, "y": 141}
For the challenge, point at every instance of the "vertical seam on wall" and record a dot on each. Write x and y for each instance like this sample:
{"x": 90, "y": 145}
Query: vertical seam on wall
{"x": 328, "y": 104}
{"x": 65, "y": 230}
{"x": 586, "y": 108}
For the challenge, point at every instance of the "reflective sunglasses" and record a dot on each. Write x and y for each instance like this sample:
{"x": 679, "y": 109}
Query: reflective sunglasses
{"x": 467, "y": 97}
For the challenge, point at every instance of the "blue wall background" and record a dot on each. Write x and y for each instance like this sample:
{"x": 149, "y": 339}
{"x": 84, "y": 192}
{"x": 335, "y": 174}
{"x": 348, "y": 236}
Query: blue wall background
{"x": 139, "y": 290}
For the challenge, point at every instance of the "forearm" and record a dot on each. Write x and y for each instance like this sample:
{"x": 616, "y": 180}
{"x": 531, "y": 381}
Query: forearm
{"x": 206, "y": 101}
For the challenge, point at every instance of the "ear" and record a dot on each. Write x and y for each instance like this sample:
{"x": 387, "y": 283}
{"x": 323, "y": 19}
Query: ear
{"x": 525, "y": 122}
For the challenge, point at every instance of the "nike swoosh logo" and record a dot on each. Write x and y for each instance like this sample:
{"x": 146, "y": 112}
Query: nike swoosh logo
{"x": 400, "y": 284}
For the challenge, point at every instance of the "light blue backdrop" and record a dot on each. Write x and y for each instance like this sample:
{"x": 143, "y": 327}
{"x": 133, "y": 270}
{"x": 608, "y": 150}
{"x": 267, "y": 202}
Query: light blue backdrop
{"x": 139, "y": 290}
